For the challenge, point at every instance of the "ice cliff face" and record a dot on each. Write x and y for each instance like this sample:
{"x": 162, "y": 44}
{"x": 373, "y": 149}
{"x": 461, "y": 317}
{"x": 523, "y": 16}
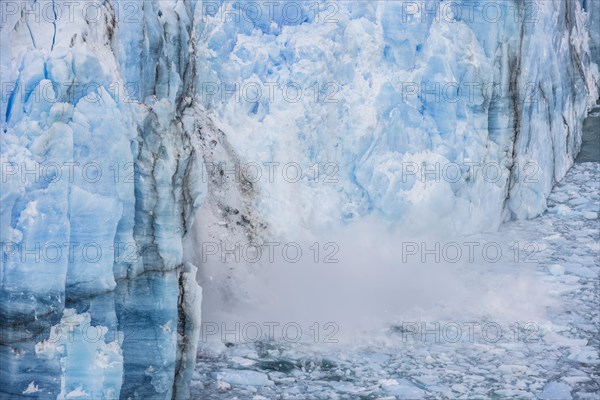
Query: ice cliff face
{"x": 98, "y": 191}
{"x": 497, "y": 89}
{"x": 105, "y": 140}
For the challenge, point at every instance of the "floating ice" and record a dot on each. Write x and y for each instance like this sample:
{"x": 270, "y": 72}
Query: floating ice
{"x": 243, "y": 377}
{"x": 556, "y": 391}
{"x": 556, "y": 269}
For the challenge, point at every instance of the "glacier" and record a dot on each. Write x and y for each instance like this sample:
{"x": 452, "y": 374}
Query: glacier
{"x": 398, "y": 84}
{"x": 112, "y": 110}
{"x": 97, "y": 193}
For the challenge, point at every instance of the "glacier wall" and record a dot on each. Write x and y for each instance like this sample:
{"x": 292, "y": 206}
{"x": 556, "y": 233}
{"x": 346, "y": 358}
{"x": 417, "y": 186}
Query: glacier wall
{"x": 98, "y": 189}
{"x": 105, "y": 139}
{"x": 450, "y": 114}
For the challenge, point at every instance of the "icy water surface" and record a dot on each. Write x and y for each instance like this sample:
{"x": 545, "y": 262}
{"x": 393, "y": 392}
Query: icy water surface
{"x": 552, "y": 357}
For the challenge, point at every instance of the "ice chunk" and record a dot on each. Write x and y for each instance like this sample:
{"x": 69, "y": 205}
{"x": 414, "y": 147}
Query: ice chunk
{"x": 556, "y": 269}
{"x": 586, "y": 355}
{"x": 243, "y": 377}
{"x": 556, "y": 391}
{"x": 31, "y": 388}
{"x": 405, "y": 389}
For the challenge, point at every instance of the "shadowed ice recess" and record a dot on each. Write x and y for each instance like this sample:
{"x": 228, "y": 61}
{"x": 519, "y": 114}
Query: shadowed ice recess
{"x": 590, "y": 144}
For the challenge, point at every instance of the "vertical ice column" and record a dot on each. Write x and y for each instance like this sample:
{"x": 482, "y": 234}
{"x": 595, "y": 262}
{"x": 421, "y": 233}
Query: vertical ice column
{"x": 116, "y": 313}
